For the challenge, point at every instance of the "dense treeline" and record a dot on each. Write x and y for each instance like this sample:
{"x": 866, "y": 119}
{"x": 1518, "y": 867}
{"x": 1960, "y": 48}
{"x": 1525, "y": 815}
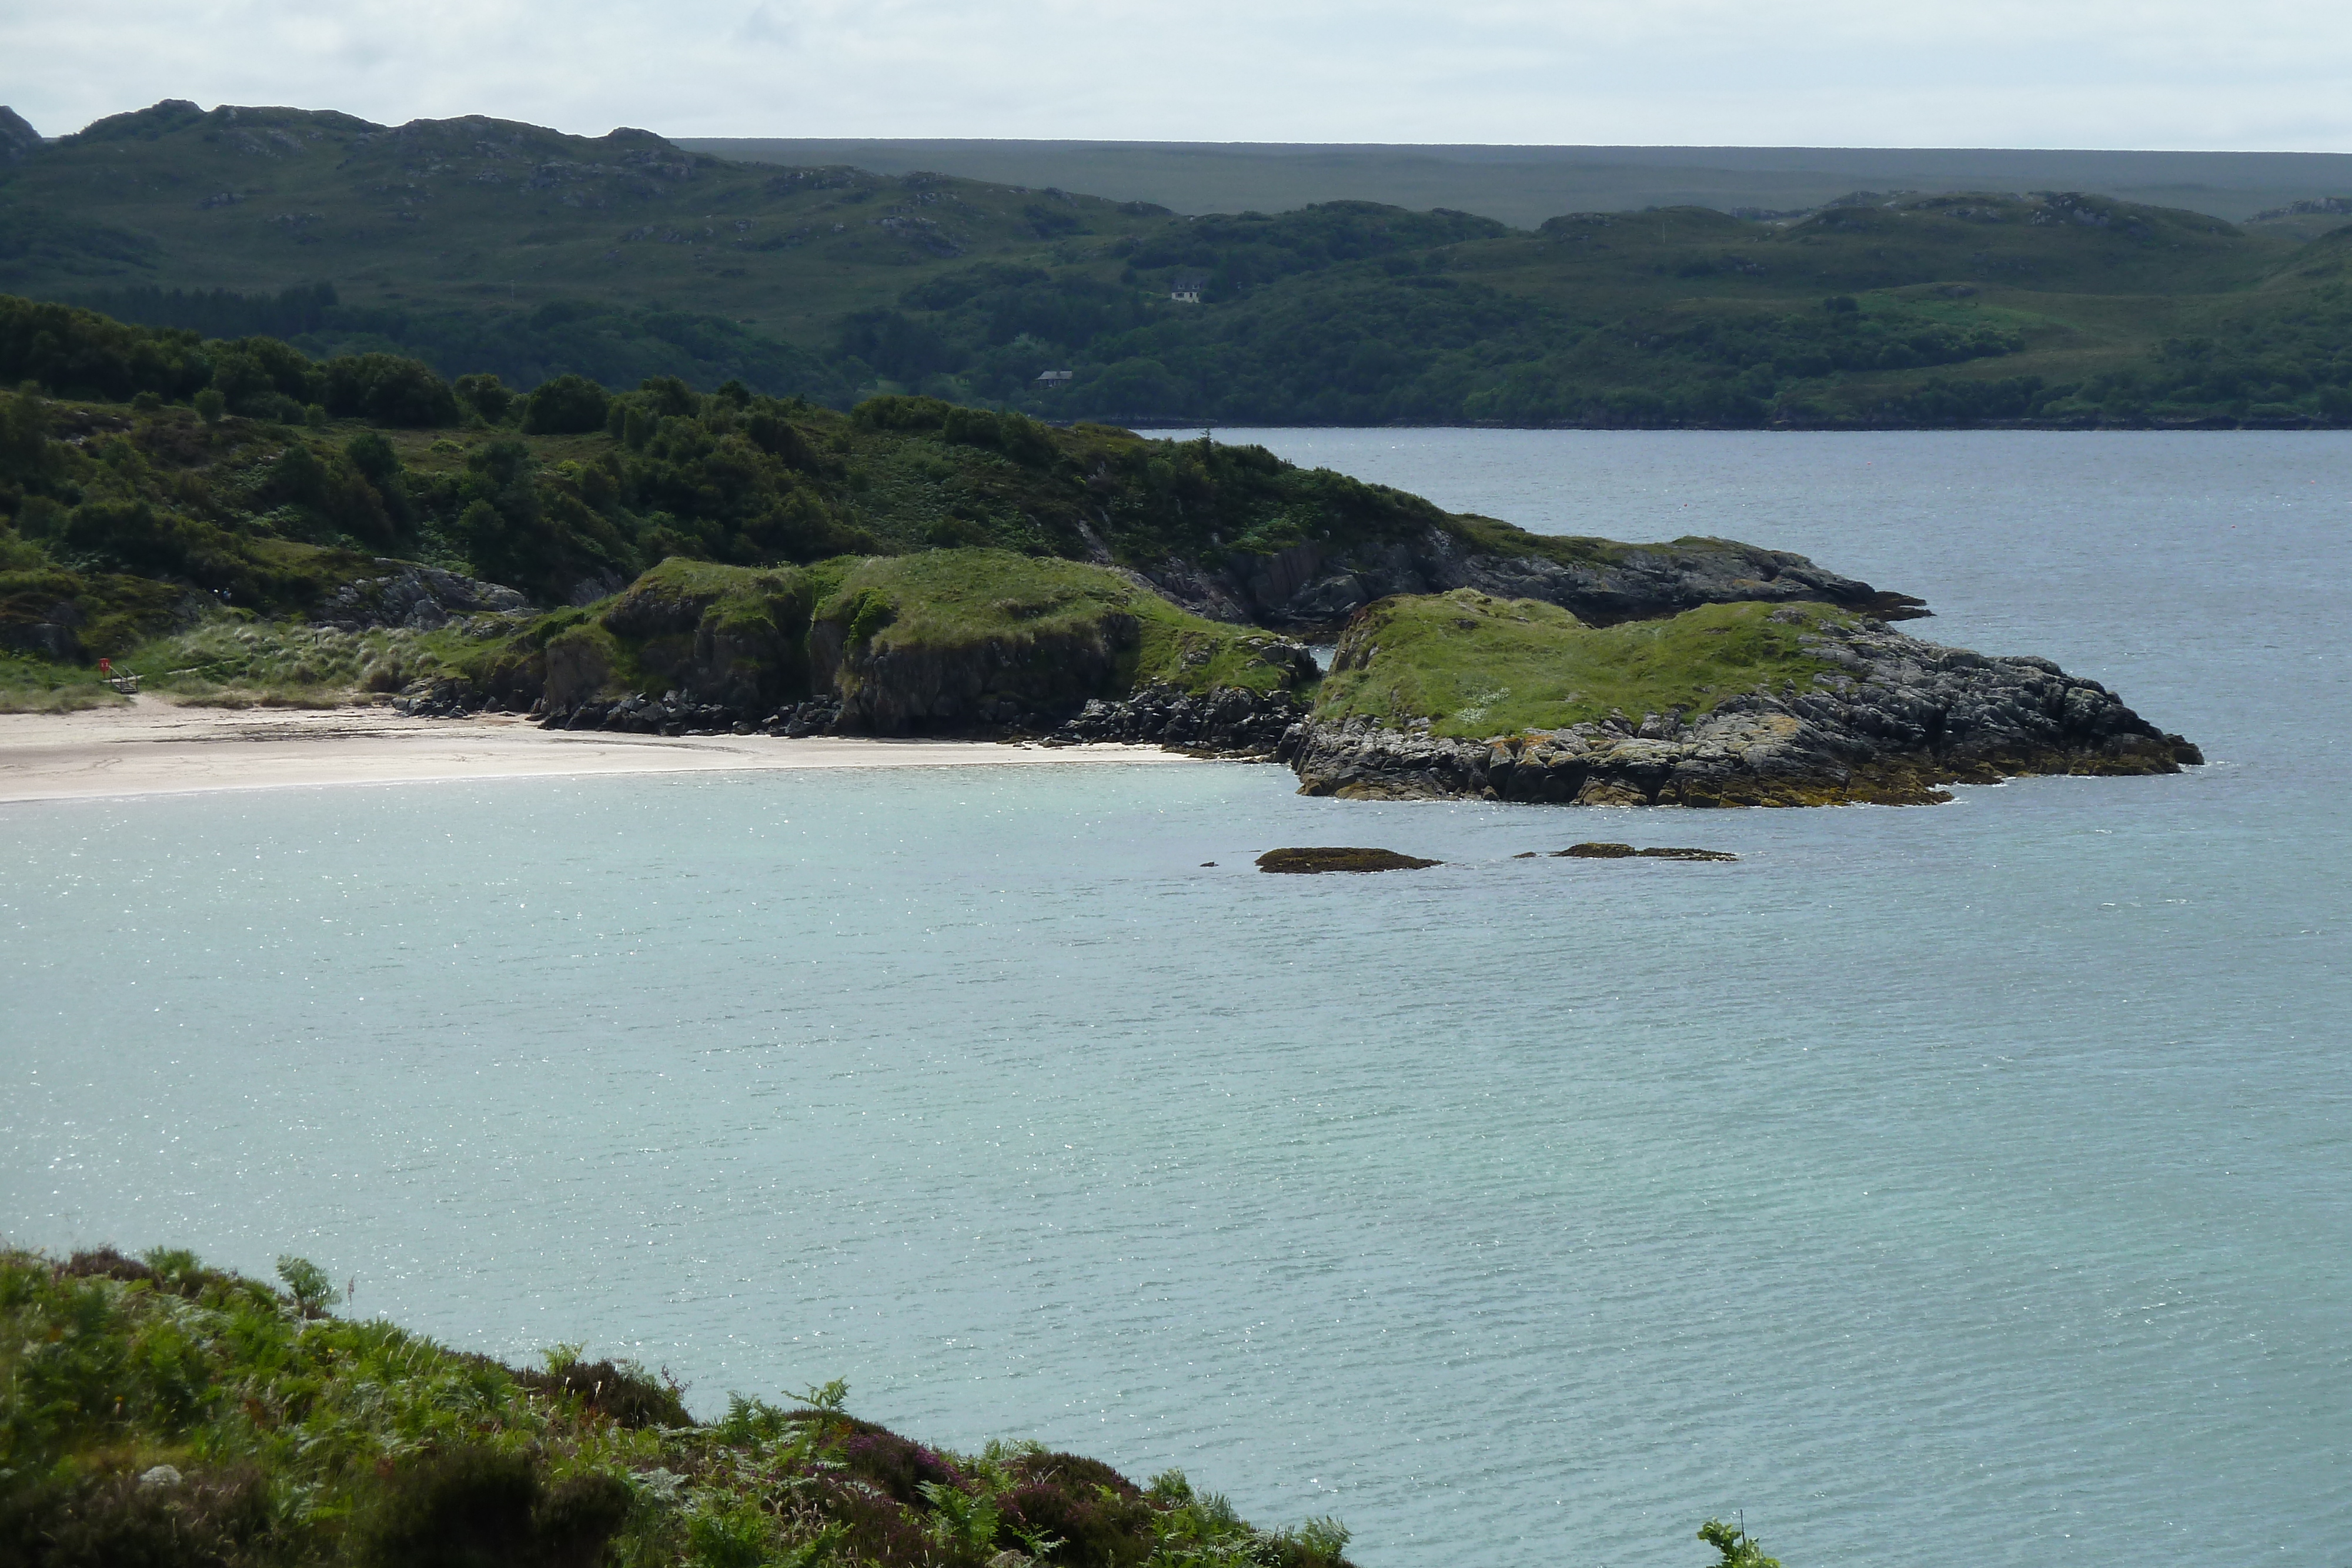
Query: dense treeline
{"x": 219, "y": 312}
{"x": 605, "y": 342}
{"x": 139, "y": 464}
{"x": 72, "y": 352}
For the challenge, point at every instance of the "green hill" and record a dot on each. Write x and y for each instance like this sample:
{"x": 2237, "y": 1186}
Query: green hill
{"x": 234, "y": 516}
{"x": 483, "y": 246}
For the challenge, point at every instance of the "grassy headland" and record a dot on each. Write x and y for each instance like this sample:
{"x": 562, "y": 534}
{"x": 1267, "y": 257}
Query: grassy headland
{"x": 237, "y": 522}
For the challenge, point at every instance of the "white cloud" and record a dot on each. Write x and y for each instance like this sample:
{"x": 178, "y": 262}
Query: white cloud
{"x": 2263, "y": 74}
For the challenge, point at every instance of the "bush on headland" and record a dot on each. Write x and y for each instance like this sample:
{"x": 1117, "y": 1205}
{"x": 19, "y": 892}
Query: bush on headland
{"x": 157, "y": 1413}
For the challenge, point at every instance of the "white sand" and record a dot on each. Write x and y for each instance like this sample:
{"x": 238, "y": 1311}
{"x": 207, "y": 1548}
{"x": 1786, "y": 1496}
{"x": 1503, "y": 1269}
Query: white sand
{"x": 152, "y": 748}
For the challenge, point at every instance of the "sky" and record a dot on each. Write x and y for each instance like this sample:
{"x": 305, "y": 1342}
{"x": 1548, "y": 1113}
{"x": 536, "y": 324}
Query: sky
{"x": 2255, "y": 75}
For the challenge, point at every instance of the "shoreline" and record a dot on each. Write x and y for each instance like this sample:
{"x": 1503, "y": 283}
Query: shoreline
{"x": 152, "y": 748}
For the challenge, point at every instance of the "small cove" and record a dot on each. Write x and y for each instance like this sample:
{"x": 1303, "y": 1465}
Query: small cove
{"x": 1961, "y": 1185}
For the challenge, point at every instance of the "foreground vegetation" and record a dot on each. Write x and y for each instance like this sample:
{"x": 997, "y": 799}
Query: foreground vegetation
{"x": 158, "y": 1413}
{"x": 484, "y": 246}
{"x": 155, "y": 1413}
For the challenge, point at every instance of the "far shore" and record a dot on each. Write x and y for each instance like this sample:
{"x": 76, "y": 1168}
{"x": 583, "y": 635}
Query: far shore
{"x": 154, "y": 747}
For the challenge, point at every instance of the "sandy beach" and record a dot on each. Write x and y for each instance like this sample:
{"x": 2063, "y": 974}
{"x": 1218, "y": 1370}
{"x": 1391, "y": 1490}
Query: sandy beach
{"x": 152, "y": 748}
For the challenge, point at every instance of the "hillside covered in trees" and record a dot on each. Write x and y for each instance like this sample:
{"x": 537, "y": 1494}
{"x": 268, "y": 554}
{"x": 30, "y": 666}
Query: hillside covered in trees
{"x": 482, "y": 246}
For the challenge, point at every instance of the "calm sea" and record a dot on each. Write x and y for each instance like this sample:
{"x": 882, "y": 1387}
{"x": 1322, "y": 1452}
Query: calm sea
{"x": 1967, "y": 1185}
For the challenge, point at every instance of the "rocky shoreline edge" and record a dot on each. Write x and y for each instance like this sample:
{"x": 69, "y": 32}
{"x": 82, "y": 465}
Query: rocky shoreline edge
{"x": 1894, "y": 721}
{"x": 1842, "y": 708}
{"x": 1900, "y": 721}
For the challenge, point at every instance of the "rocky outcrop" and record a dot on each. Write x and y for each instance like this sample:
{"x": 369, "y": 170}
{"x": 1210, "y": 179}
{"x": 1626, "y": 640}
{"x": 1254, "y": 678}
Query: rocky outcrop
{"x": 1027, "y": 684}
{"x": 1894, "y": 720}
{"x": 1319, "y": 862}
{"x": 421, "y": 598}
{"x": 1314, "y": 587}
{"x": 1603, "y": 852}
{"x": 1230, "y": 721}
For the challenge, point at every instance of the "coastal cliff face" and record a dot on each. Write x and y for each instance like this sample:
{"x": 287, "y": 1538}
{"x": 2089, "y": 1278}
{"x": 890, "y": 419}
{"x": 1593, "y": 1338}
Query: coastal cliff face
{"x": 1844, "y": 710}
{"x": 1318, "y": 585}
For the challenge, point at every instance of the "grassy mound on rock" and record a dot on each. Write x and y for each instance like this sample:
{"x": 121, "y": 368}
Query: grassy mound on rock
{"x": 1475, "y": 665}
{"x": 159, "y": 1412}
{"x": 937, "y": 639}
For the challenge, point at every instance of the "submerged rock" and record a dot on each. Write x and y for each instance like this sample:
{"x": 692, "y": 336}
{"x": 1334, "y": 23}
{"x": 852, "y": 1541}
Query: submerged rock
{"x": 1311, "y": 861}
{"x": 1600, "y": 852}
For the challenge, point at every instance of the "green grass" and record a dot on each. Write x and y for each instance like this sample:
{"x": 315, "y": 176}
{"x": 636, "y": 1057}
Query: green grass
{"x": 41, "y": 686}
{"x": 1477, "y": 666}
{"x": 1002, "y": 609}
{"x": 296, "y": 1437}
{"x": 959, "y": 600}
{"x": 239, "y": 661}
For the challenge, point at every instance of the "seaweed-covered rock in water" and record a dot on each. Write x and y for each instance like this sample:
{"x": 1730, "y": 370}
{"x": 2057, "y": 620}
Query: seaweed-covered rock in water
{"x": 1313, "y": 860}
{"x": 1606, "y": 852}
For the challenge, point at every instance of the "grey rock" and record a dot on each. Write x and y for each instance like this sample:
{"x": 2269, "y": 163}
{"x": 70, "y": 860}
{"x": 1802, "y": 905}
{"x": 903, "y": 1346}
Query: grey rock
{"x": 1229, "y": 721}
{"x": 422, "y": 598}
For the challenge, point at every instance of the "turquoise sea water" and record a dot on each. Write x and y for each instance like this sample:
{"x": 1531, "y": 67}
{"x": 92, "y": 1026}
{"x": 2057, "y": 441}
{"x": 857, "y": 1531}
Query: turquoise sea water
{"x": 1956, "y": 1186}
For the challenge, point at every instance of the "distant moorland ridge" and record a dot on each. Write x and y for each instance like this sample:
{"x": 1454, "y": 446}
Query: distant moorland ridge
{"x": 484, "y": 246}
{"x": 1524, "y": 185}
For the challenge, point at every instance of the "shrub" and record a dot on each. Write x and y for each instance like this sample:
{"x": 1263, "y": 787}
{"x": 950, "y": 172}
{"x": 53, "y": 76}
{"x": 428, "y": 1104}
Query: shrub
{"x": 464, "y": 1508}
{"x": 623, "y": 1392}
{"x": 389, "y": 390}
{"x": 202, "y": 1520}
{"x": 567, "y": 406}
{"x": 308, "y": 1284}
{"x": 485, "y": 395}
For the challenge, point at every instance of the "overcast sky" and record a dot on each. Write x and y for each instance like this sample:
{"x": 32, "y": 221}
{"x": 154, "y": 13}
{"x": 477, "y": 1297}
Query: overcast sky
{"x": 2252, "y": 75}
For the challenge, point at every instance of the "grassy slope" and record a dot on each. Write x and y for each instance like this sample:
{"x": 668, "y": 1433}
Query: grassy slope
{"x": 958, "y": 599}
{"x": 301, "y": 1438}
{"x": 1480, "y": 666}
{"x": 952, "y": 605}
